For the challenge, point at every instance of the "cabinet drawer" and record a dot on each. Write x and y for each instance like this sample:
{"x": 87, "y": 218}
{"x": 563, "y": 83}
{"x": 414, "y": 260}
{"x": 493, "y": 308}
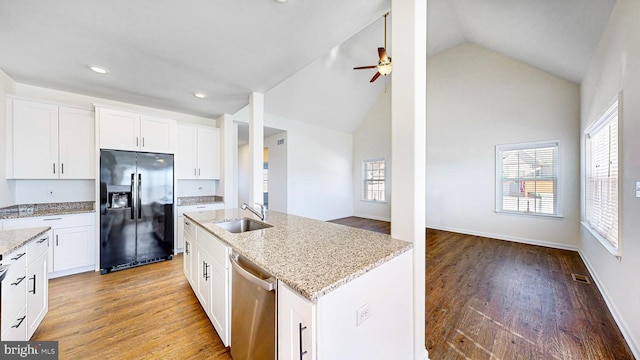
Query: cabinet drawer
{"x": 190, "y": 227}
{"x": 14, "y": 285}
{"x": 218, "y": 250}
{"x": 38, "y": 246}
{"x": 55, "y": 222}
{"x": 203, "y": 207}
{"x": 16, "y": 326}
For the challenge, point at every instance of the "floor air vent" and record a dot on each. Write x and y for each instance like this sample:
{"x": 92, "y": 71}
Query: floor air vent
{"x": 580, "y": 278}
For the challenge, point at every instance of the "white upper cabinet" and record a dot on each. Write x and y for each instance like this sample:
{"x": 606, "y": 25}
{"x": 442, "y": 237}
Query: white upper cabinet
{"x": 208, "y": 153}
{"x": 125, "y": 130}
{"x": 198, "y": 153}
{"x": 76, "y": 133}
{"x": 48, "y": 141}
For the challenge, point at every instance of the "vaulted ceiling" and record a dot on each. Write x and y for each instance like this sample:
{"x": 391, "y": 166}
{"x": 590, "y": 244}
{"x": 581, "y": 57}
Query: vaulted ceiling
{"x": 299, "y": 53}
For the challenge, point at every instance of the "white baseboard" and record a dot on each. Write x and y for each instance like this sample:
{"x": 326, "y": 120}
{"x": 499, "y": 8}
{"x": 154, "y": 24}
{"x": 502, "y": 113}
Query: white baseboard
{"x": 372, "y": 217}
{"x": 508, "y": 238}
{"x": 612, "y": 308}
{"x": 57, "y": 274}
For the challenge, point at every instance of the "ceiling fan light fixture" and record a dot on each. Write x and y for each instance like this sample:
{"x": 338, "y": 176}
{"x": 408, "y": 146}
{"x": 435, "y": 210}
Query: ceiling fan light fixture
{"x": 385, "y": 69}
{"x": 99, "y": 69}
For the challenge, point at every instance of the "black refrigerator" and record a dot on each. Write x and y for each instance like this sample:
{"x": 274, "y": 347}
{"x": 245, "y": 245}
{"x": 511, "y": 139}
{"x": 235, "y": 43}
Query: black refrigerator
{"x": 136, "y": 209}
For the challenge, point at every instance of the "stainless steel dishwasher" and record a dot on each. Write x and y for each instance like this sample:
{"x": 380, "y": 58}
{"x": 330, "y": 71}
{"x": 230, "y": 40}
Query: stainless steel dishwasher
{"x": 253, "y": 311}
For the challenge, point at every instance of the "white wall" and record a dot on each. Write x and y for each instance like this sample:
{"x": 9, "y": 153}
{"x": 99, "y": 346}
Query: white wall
{"x": 196, "y": 188}
{"x": 319, "y": 168}
{"x": 477, "y": 99}
{"x": 614, "y": 67}
{"x": 244, "y": 173}
{"x": 277, "y": 171}
{"x": 372, "y": 140}
{"x": 7, "y": 86}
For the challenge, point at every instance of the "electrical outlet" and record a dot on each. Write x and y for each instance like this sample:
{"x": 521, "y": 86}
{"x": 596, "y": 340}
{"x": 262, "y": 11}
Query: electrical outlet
{"x": 50, "y": 193}
{"x": 363, "y": 314}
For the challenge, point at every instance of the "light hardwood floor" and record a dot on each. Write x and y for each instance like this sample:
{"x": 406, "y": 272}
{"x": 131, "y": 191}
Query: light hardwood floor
{"x": 485, "y": 299}
{"x": 148, "y": 312}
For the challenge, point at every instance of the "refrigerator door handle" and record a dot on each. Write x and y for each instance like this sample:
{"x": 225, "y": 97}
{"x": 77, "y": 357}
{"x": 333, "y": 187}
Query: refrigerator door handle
{"x": 139, "y": 197}
{"x": 132, "y": 206}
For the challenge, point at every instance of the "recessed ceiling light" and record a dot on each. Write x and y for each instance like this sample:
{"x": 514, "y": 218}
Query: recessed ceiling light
{"x": 282, "y": 1}
{"x": 99, "y": 69}
{"x": 200, "y": 95}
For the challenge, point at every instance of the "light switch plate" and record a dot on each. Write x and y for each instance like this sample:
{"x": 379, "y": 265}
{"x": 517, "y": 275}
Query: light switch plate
{"x": 638, "y": 189}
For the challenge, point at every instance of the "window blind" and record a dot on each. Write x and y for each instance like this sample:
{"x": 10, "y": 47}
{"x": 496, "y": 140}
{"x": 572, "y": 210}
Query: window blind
{"x": 528, "y": 178}
{"x": 602, "y": 175}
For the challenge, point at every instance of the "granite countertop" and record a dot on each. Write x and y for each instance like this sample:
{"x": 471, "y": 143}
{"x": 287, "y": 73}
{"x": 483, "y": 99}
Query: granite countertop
{"x": 198, "y": 200}
{"x": 49, "y": 209}
{"x": 13, "y": 239}
{"x": 313, "y": 257}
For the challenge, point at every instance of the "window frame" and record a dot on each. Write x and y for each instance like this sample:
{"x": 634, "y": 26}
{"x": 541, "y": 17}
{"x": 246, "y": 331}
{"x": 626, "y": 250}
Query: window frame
{"x": 603, "y": 121}
{"x": 365, "y": 181}
{"x": 499, "y": 179}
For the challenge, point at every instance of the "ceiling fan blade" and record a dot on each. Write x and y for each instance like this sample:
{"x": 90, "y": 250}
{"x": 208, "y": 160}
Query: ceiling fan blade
{"x": 365, "y": 67}
{"x": 382, "y": 53}
{"x": 377, "y": 75}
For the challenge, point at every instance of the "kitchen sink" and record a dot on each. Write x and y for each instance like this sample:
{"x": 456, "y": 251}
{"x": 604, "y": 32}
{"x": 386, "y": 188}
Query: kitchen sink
{"x": 241, "y": 225}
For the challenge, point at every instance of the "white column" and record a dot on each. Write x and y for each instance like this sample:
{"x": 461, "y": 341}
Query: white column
{"x": 408, "y": 145}
{"x": 229, "y": 148}
{"x": 256, "y": 146}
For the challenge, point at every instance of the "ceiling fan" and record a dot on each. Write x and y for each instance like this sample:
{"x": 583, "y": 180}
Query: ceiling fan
{"x": 384, "y": 66}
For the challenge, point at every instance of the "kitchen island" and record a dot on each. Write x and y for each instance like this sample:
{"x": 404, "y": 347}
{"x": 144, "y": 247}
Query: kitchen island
{"x": 342, "y": 292}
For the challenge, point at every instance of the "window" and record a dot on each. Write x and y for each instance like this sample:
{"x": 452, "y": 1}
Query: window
{"x": 527, "y": 178}
{"x": 601, "y": 188}
{"x": 374, "y": 180}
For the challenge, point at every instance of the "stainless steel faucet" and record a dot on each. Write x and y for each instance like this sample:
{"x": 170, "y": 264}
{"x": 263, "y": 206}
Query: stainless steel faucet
{"x": 260, "y": 214}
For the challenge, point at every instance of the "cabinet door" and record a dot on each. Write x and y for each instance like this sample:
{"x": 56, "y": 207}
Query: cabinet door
{"x": 208, "y": 153}
{"x": 119, "y": 130}
{"x": 186, "y": 158}
{"x": 37, "y": 293}
{"x": 296, "y": 326}
{"x": 73, "y": 248}
{"x": 189, "y": 258}
{"x": 76, "y": 132}
{"x": 203, "y": 279}
{"x": 35, "y": 140}
{"x": 157, "y": 134}
{"x": 220, "y": 301}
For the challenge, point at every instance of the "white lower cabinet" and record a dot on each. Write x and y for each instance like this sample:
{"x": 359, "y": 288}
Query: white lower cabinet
{"x": 25, "y": 290}
{"x": 207, "y": 268}
{"x": 189, "y": 258}
{"x": 180, "y": 241}
{"x": 37, "y": 292}
{"x": 296, "y": 325}
{"x": 73, "y": 248}
{"x": 72, "y": 241}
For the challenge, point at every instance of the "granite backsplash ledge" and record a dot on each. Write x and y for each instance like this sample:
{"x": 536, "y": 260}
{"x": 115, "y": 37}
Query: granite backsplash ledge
{"x": 47, "y": 209}
{"x": 198, "y": 200}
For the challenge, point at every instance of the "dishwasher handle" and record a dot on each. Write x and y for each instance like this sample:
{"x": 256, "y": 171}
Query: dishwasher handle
{"x": 267, "y": 284}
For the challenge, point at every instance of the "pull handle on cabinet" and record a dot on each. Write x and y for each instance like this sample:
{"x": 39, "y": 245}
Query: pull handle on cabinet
{"x": 20, "y": 321}
{"x": 19, "y": 280}
{"x": 34, "y": 284}
{"x": 54, "y": 168}
{"x": 19, "y": 256}
{"x": 300, "y": 330}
